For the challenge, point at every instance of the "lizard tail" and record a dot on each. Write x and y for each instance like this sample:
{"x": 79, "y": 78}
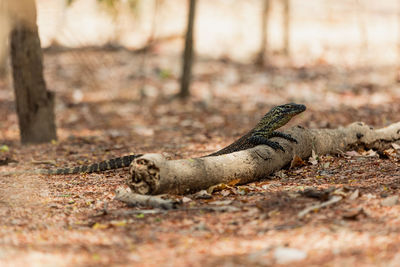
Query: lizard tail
{"x": 105, "y": 165}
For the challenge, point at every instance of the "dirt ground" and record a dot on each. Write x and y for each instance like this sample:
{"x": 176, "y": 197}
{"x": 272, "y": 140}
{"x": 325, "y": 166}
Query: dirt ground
{"x": 107, "y": 106}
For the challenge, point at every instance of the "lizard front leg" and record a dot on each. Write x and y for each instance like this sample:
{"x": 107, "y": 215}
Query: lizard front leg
{"x": 259, "y": 139}
{"x": 282, "y": 135}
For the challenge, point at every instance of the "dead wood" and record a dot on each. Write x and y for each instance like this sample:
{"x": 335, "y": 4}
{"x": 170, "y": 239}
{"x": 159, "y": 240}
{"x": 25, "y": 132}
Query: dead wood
{"x": 153, "y": 174}
{"x": 133, "y": 199}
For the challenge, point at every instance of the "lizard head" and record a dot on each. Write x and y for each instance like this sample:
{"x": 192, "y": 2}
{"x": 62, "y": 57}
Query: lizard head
{"x": 289, "y": 109}
{"x": 280, "y": 115}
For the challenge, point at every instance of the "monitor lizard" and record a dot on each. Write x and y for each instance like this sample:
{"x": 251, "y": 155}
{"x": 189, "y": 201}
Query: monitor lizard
{"x": 259, "y": 135}
{"x": 265, "y": 129}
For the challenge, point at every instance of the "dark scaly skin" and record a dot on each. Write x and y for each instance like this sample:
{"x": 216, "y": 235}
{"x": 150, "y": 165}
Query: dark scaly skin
{"x": 265, "y": 129}
{"x": 111, "y": 164}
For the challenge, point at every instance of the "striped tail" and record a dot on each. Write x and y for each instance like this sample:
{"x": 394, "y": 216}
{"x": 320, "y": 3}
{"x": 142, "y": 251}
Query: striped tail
{"x": 111, "y": 164}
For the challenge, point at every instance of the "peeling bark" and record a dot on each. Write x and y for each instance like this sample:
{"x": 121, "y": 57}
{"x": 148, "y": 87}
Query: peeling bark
{"x": 153, "y": 174}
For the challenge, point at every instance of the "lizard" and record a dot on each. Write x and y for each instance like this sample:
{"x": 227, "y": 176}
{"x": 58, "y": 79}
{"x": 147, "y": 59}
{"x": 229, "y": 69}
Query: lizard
{"x": 277, "y": 117}
{"x": 259, "y": 135}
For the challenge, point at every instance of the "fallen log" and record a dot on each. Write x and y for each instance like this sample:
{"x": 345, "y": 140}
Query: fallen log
{"x": 154, "y": 174}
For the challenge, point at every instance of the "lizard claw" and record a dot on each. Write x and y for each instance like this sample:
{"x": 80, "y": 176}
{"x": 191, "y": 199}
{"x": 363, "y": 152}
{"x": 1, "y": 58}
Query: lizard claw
{"x": 261, "y": 140}
{"x": 282, "y": 135}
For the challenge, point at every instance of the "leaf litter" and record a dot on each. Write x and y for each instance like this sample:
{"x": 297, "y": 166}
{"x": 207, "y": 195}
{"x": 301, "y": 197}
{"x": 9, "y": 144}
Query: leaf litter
{"x": 348, "y": 202}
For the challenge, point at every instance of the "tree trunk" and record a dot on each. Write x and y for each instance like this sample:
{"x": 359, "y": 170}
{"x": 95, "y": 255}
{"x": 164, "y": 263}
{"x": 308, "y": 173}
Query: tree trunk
{"x": 286, "y": 27}
{"x": 398, "y": 44}
{"x": 3, "y": 57}
{"x": 4, "y": 34}
{"x": 362, "y": 27}
{"x": 264, "y": 33}
{"x": 35, "y": 105}
{"x": 188, "y": 53}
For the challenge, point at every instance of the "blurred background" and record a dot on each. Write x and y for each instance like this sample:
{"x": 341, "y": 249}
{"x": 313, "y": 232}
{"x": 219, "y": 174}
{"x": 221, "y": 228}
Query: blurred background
{"x": 344, "y": 32}
{"x": 118, "y": 63}
{"x": 334, "y": 32}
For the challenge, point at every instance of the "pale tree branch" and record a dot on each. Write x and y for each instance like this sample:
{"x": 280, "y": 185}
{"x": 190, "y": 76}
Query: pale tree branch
{"x": 154, "y": 174}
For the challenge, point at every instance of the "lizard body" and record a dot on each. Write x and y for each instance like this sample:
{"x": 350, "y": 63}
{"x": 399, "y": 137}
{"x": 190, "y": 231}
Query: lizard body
{"x": 259, "y": 135}
{"x": 265, "y": 129}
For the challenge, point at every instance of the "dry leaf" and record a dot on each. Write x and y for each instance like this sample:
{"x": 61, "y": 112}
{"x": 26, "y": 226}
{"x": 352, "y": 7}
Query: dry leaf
{"x": 314, "y": 158}
{"x": 354, "y": 195}
{"x": 316, "y": 207}
{"x": 352, "y": 214}
{"x": 234, "y": 182}
{"x": 370, "y": 153}
{"x": 352, "y": 153}
{"x": 395, "y": 146}
{"x": 218, "y": 187}
{"x": 296, "y": 162}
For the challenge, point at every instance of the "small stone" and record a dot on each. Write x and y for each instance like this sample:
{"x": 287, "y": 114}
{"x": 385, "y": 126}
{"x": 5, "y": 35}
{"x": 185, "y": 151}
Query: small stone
{"x": 202, "y": 194}
{"x": 284, "y": 255}
{"x": 186, "y": 199}
{"x": 352, "y": 214}
{"x": 390, "y": 201}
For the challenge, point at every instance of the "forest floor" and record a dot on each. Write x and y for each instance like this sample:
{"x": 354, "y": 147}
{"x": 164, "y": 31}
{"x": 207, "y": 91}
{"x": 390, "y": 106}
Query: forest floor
{"x": 108, "y": 106}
